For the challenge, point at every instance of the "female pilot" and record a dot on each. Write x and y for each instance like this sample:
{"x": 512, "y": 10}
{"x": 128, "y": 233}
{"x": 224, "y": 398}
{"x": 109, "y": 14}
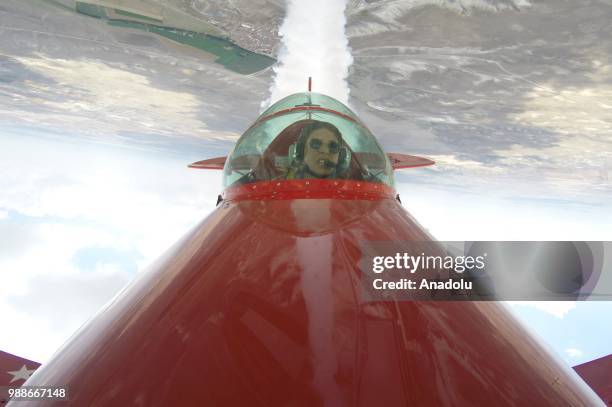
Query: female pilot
{"x": 318, "y": 152}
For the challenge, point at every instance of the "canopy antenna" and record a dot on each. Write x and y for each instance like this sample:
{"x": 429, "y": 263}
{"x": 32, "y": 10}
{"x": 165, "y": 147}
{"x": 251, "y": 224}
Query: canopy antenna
{"x": 309, "y": 96}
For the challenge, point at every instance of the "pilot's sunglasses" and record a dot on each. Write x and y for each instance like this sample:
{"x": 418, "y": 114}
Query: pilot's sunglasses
{"x": 333, "y": 147}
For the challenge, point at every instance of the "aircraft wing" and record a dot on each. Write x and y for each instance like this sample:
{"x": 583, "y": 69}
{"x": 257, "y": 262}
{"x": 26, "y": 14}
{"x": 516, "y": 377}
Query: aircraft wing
{"x": 14, "y": 371}
{"x": 598, "y": 375}
{"x": 216, "y": 163}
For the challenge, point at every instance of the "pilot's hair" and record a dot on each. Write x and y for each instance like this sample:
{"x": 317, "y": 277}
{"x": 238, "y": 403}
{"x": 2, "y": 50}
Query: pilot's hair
{"x": 308, "y": 129}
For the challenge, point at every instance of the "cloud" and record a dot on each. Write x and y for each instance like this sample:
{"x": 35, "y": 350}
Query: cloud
{"x": 81, "y": 217}
{"x": 44, "y": 297}
{"x": 21, "y": 238}
{"x": 75, "y": 297}
{"x": 558, "y": 309}
{"x": 574, "y": 353}
{"x": 472, "y": 211}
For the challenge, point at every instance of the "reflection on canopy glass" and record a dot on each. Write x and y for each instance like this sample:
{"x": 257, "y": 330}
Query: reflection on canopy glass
{"x": 307, "y": 135}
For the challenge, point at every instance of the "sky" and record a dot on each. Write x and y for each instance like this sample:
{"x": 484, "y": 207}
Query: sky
{"x": 576, "y": 331}
{"x": 79, "y": 220}
{"x": 97, "y": 125}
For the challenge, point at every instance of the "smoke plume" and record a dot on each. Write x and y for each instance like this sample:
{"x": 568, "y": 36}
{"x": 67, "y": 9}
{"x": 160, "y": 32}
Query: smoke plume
{"x": 313, "y": 44}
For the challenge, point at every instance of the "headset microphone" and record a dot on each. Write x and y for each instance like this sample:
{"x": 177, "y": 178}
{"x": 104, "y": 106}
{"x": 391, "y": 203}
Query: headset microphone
{"x": 329, "y": 164}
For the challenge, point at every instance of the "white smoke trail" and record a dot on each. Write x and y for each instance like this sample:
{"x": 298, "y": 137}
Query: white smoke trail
{"x": 313, "y": 44}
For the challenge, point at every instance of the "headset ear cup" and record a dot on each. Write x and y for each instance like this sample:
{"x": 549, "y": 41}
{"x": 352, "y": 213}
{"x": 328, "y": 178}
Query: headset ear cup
{"x": 299, "y": 150}
{"x": 291, "y": 155}
{"x": 300, "y": 146}
{"x": 344, "y": 159}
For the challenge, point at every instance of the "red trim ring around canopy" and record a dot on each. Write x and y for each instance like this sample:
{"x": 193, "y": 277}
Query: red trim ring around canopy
{"x": 309, "y": 189}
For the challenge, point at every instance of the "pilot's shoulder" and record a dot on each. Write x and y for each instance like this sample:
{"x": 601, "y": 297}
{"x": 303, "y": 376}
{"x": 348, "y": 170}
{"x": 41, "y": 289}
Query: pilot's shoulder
{"x": 292, "y": 173}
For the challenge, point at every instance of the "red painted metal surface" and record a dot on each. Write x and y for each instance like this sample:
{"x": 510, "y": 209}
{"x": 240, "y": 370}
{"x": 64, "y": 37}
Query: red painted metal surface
{"x": 311, "y": 188}
{"x": 259, "y": 305}
{"x": 216, "y": 163}
{"x": 399, "y": 161}
{"x": 11, "y": 363}
{"x": 14, "y": 371}
{"x": 598, "y": 374}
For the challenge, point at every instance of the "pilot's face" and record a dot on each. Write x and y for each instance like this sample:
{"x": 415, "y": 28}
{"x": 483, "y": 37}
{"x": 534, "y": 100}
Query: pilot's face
{"x": 321, "y": 152}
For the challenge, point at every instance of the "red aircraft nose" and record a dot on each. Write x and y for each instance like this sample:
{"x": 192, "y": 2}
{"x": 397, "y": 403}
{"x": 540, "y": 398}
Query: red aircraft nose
{"x": 246, "y": 311}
